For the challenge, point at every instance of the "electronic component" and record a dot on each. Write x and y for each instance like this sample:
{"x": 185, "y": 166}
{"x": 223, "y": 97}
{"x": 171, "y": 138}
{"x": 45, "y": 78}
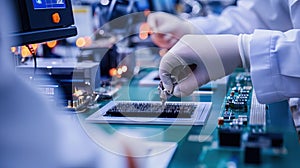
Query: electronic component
{"x": 152, "y": 112}
{"x": 230, "y": 137}
{"x": 81, "y": 98}
{"x": 237, "y": 102}
{"x": 220, "y": 121}
{"x": 257, "y": 143}
{"x": 242, "y": 123}
{"x": 252, "y": 154}
{"x": 243, "y": 136}
{"x": 266, "y": 140}
{"x": 257, "y": 112}
{"x": 67, "y": 75}
{"x": 239, "y": 110}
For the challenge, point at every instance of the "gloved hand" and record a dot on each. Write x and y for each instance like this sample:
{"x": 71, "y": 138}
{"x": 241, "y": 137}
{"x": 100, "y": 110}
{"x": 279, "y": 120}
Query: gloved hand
{"x": 197, "y": 59}
{"x": 168, "y": 29}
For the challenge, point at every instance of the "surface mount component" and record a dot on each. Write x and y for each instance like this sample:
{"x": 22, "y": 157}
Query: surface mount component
{"x": 152, "y": 112}
{"x": 230, "y": 137}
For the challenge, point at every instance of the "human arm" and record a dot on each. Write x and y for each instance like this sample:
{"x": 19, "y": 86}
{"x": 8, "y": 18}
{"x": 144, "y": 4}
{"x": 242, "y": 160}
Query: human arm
{"x": 247, "y": 16}
{"x": 274, "y": 57}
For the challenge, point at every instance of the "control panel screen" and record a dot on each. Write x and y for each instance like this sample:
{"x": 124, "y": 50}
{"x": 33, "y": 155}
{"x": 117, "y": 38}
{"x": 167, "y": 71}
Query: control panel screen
{"x": 49, "y": 4}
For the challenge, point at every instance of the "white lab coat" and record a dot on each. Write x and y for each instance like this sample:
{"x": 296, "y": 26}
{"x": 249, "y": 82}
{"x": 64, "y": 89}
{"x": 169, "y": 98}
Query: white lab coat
{"x": 275, "y": 45}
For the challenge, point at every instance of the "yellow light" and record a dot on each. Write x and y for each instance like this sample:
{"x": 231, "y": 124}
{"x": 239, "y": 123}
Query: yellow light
{"x": 145, "y": 30}
{"x": 13, "y": 49}
{"x": 35, "y": 46}
{"x": 113, "y": 72}
{"x": 80, "y": 42}
{"x": 25, "y": 52}
{"x": 52, "y": 44}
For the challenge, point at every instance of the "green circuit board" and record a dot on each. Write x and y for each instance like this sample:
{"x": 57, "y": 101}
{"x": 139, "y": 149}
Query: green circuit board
{"x": 242, "y": 137}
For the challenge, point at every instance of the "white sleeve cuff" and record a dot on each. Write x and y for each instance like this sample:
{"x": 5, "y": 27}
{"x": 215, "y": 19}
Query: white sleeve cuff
{"x": 264, "y": 73}
{"x": 244, "y": 49}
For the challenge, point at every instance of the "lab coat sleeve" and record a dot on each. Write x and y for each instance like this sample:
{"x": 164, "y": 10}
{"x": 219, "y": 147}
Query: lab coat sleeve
{"x": 274, "y": 60}
{"x": 247, "y": 16}
{"x": 233, "y": 20}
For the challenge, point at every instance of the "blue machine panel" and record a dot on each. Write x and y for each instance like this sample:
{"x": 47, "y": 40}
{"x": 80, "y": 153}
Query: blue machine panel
{"x": 49, "y": 4}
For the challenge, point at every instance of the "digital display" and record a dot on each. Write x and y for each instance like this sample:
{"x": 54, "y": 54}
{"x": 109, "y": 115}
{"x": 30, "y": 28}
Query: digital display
{"x": 49, "y": 4}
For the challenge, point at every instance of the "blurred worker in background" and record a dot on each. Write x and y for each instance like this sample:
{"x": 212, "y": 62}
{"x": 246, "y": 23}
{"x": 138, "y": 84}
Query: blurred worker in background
{"x": 35, "y": 133}
{"x": 261, "y": 35}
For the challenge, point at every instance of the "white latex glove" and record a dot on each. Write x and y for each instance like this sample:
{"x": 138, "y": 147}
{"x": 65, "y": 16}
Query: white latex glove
{"x": 197, "y": 59}
{"x": 168, "y": 29}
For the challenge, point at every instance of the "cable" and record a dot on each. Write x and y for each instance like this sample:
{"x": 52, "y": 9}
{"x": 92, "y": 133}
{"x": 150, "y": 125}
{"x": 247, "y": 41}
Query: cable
{"x": 31, "y": 49}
